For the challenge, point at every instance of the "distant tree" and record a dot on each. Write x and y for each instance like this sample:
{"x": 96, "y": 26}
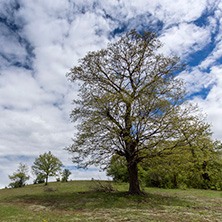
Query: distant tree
{"x": 117, "y": 169}
{"x": 46, "y": 165}
{"x": 39, "y": 179}
{"x": 131, "y": 103}
{"x": 65, "y": 175}
{"x": 19, "y": 177}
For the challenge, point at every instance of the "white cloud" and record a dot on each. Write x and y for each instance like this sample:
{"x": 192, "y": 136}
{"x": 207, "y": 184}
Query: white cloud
{"x": 195, "y": 80}
{"x": 216, "y": 28}
{"x": 213, "y": 57}
{"x": 212, "y": 105}
{"x": 11, "y": 48}
{"x": 167, "y": 11}
{"x": 184, "y": 39}
{"x": 19, "y": 90}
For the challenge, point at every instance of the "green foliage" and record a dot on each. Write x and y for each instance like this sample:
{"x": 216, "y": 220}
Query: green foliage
{"x": 39, "y": 179}
{"x": 19, "y": 177}
{"x": 187, "y": 167}
{"x": 65, "y": 175}
{"x": 117, "y": 169}
{"x": 46, "y": 165}
{"x": 131, "y": 104}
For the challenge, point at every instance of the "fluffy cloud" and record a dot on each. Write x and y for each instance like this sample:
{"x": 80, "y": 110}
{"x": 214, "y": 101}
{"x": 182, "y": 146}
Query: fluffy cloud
{"x": 11, "y": 46}
{"x": 185, "y": 39}
{"x": 212, "y": 104}
{"x": 205, "y": 80}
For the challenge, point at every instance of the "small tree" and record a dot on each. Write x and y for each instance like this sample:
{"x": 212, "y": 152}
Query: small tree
{"x": 19, "y": 177}
{"x": 65, "y": 175}
{"x": 46, "y": 165}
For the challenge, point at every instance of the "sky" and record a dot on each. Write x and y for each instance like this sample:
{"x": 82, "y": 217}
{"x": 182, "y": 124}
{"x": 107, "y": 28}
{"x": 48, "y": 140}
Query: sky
{"x": 41, "y": 40}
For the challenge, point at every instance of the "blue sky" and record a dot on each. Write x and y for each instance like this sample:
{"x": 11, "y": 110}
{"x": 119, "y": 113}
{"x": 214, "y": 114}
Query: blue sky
{"x": 41, "y": 40}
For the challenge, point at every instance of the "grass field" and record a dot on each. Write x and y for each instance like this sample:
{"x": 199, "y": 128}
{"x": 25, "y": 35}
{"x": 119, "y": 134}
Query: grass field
{"x": 78, "y": 201}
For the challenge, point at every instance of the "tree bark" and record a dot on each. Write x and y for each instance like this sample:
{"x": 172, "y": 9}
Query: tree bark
{"x": 46, "y": 180}
{"x": 134, "y": 187}
{"x": 175, "y": 180}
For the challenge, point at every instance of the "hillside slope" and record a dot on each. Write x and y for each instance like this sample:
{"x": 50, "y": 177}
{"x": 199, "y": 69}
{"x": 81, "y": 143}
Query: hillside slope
{"x": 79, "y": 201}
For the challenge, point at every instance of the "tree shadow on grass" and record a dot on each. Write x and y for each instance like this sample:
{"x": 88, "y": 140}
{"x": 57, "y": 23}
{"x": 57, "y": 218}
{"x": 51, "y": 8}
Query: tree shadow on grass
{"x": 104, "y": 200}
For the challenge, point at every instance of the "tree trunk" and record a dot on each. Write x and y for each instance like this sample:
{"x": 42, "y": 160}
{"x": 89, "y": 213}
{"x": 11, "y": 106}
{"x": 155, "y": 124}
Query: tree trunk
{"x": 134, "y": 187}
{"x": 46, "y": 180}
{"x": 175, "y": 180}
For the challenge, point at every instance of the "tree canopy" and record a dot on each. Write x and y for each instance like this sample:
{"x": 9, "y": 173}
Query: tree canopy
{"x": 132, "y": 104}
{"x": 46, "y": 165}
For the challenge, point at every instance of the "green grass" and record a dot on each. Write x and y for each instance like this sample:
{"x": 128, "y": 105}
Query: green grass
{"x": 76, "y": 201}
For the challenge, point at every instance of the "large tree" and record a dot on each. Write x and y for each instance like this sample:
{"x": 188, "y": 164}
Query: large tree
{"x": 131, "y": 102}
{"x": 46, "y": 165}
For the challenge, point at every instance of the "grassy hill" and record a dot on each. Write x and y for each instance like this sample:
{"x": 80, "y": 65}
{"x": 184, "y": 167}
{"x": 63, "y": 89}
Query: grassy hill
{"x": 82, "y": 201}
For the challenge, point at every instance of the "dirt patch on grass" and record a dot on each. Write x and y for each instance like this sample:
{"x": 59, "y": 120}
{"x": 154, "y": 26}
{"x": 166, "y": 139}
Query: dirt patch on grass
{"x": 38, "y": 208}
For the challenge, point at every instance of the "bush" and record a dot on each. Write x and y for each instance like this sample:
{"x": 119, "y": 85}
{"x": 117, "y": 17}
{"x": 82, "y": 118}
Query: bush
{"x": 39, "y": 179}
{"x": 102, "y": 186}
